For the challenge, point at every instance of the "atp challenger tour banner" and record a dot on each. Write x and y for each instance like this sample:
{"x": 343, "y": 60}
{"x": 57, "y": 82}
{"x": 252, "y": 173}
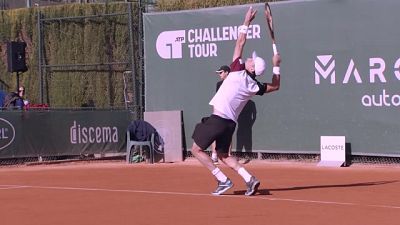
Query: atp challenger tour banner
{"x": 57, "y": 133}
{"x": 340, "y": 72}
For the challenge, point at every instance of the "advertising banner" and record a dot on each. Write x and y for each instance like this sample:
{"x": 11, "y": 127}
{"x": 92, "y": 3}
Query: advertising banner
{"x": 57, "y": 133}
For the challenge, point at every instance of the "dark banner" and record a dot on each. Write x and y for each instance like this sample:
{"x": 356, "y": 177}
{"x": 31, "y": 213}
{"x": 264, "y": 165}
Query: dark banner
{"x": 340, "y": 72}
{"x": 57, "y": 133}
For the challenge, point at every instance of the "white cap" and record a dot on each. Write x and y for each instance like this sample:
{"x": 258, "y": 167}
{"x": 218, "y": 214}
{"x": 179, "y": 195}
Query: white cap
{"x": 259, "y": 64}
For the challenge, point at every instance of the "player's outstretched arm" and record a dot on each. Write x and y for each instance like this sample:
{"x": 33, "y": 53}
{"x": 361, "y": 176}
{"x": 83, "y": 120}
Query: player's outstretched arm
{"x": 241, "y": 40}
{"x": 276, "y": 77}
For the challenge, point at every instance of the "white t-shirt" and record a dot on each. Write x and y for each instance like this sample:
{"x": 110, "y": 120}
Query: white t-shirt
{"x": 236, "y": 90}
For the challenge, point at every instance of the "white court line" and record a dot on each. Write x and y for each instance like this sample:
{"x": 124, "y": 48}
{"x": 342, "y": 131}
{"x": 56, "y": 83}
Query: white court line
{"x": 257, "y": 197}
{"x": 7, "y": 187}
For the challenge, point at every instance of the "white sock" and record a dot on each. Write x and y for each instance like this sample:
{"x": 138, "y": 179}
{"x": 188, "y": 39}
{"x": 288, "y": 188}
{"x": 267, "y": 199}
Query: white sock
{"x": 214, "y": 156}
{"x": 219, "y": 175}
{"x": 243, "y": 172}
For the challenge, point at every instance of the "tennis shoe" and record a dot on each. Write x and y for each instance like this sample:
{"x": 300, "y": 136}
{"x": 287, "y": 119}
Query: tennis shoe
{"x": 252, "y": 186}
{"x": 222, "y": 187}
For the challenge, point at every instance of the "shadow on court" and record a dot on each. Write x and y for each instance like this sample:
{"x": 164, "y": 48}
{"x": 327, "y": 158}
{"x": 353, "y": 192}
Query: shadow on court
{"x": 259, "y": 192}
{"x": 268, "y": 191}
{"x": 335, "y": 185}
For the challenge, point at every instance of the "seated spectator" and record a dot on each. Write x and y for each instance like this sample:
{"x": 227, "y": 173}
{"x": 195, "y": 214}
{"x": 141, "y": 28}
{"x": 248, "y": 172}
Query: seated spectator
{"x": 15, "y": 100}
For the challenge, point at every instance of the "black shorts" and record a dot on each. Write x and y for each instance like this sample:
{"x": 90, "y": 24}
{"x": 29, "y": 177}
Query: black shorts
{"x": 214, "y": 128}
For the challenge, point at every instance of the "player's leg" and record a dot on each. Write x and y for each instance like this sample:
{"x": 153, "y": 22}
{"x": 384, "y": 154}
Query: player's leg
{"x": 203, "y": 135}
{"x": 252, "y": 182}
{"x": 223, "y": 146}
{"x": 214, "y": 155}
{"x": 203, "y": 158}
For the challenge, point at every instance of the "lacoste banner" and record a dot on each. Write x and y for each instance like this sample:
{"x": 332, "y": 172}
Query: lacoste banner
{"x": 57, "y": 133}
{"x": 340, "y": 72}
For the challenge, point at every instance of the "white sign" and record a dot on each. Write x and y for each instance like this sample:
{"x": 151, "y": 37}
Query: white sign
{"x": 169, "y": 126}
{"x": 333, "y": 151}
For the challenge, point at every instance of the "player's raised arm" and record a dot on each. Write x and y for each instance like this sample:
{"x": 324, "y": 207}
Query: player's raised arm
{"x": 276, "y": 77}
{"x": 242, "y": 33}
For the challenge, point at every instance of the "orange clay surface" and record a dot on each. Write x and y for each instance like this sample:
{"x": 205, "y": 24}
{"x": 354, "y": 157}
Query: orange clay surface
{"x": 179, "y": 194}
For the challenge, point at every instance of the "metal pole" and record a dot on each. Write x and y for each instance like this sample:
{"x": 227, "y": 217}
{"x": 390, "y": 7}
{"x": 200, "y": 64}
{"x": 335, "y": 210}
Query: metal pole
{"x": 132, "y": 57}
{"x": 39, "y": 27}
{"x": 17, "y": 82}
{"x": 82, "y": 17}
{"x": 141, "y": 58}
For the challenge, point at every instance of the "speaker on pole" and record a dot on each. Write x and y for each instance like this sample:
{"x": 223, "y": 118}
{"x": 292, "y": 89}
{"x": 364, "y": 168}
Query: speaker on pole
{"x": 16, "y": 57}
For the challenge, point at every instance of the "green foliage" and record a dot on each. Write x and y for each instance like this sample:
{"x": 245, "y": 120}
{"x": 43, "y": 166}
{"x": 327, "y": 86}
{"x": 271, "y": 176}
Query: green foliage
{"x": 173, "y": 5}
{"x": 66, "y": 42}
{"x": 87, "y": 41}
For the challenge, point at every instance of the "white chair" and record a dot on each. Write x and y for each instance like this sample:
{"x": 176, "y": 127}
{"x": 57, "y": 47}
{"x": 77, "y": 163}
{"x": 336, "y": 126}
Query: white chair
{"x": 131, "y": 143}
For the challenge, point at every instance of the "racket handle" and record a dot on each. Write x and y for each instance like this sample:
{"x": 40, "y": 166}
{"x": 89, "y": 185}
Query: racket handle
{"x": 274, "y": 49}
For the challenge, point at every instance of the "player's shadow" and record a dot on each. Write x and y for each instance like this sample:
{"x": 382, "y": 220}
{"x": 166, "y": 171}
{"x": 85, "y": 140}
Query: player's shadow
{"x": 259, "y": 192}
{"x": 244, "y": 132}
{"x": 364, "y": 184}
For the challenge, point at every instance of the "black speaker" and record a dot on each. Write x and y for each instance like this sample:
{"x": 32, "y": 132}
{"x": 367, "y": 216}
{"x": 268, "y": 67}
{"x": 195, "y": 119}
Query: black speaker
{"x": 16, "y": 57}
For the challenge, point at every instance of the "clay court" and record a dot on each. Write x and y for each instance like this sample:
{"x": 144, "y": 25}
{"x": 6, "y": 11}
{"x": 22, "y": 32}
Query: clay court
{"x": 179, "y": 194}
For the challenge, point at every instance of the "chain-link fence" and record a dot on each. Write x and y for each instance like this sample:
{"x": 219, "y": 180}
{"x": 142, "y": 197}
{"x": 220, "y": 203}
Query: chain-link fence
{"x": 243, "y": 157}
{"x": 92, "y": 59}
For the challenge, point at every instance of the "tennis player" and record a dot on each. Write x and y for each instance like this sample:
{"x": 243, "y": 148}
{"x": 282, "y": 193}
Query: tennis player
{"x": 228, "y": 102}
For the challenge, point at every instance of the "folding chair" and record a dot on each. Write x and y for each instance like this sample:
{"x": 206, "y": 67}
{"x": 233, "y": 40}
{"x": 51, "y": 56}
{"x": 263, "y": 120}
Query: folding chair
{"x": 130, "y": 143}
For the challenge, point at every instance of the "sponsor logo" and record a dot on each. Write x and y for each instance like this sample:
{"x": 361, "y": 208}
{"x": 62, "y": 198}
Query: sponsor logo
{"x": 7, "y": 133}
{"x": 81, "y": 135}
{"x": 325, "y": 67}
{"x": 332, "y": 147}
{"x": 378, "y": 73}
{"x": 169, "y": 44}
{"x": 199, "y": 42}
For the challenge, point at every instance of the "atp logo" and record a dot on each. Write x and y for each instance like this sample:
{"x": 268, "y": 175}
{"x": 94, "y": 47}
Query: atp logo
{"x": 169, "y": 44}
{"x": 325, "y": 66}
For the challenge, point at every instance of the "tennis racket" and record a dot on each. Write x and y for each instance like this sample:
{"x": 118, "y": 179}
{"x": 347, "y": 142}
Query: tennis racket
{"x": 268, "y": 16}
